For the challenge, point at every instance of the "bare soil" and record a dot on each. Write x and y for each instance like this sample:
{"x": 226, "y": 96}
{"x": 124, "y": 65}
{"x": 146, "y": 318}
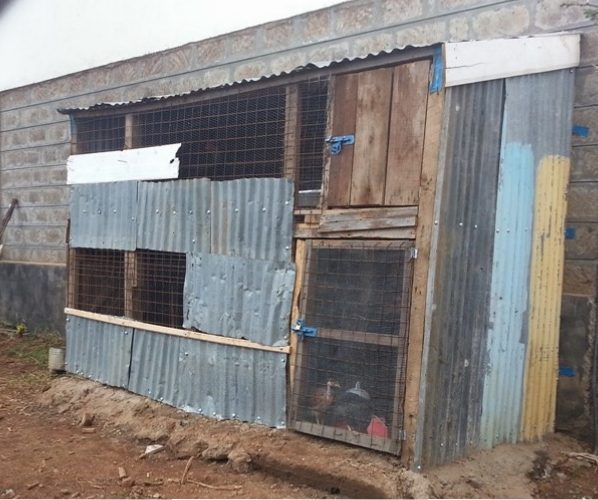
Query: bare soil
{"x": 45, "y": 452}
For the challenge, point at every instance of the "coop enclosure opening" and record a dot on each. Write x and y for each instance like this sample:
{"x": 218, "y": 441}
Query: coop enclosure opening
{"x": 350, "y": 377}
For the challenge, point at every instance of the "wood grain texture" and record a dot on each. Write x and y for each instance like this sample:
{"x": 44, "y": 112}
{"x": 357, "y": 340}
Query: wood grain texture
{"x": 291, "y": 133}
{"x": 367, "y": 219}
{"x": 344, "y": 107}
{"x": 422, "y": 265}
{"x": 371, "y": 137}
{"x": 406, "y": 135}
{"x": 300, "y": 257}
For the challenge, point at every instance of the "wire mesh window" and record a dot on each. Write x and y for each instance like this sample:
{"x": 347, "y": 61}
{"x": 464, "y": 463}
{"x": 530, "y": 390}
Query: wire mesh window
{"x": 100, "y": 133}
{"x": 158, "y": 287}
{"x": 350, "y": 378}
{"x": 97, "y": 281}
{"x": 272, "y": 132}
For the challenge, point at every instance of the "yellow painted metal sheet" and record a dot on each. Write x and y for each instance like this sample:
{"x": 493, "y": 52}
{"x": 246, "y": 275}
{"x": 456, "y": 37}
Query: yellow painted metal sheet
{"x": 546, "y": 280}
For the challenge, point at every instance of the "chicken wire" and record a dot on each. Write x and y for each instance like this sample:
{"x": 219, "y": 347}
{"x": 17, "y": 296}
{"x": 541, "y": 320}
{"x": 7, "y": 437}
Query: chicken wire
{"x": 273, "y": 132}
{"x": 350, "y": 378}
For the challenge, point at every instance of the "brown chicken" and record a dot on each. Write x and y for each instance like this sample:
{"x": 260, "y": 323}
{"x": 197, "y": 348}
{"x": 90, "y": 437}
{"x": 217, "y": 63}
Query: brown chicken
{"x": 322, "y": 399}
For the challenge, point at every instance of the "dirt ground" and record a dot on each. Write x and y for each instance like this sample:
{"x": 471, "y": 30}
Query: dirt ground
{"x": 45, "y": 452}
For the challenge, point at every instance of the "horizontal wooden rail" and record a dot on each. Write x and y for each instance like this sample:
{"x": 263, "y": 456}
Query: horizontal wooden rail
{"x": 178, "y": 332}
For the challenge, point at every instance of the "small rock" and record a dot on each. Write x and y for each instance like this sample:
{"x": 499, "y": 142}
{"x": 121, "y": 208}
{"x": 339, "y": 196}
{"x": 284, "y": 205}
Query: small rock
{"x": 86, "y": 419}
{"x": 32, "y": 485}
{"x": 239, "y": 460}
{"x": 128, "y": 482}
{"x": 157, "y": 495}
{"x": 217, "y": 452}
{"x": 9, "y": 493}
{"x": 88, "y": 430}
{"x": 122, "y": 473}
{"x": 65, "y": 492}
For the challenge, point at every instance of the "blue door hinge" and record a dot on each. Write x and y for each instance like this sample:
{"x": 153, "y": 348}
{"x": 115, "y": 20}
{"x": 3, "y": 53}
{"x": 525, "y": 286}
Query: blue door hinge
{"x": 338, "y": 141}
{"x": 302, "y": 331}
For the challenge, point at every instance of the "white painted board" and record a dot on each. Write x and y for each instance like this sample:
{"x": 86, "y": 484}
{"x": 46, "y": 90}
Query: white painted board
{"x": 470, "y": 62}
{"x": 141, "y": 164}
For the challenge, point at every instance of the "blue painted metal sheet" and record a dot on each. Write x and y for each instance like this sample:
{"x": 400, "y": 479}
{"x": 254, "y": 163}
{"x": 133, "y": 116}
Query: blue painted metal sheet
{"x": 218, "y": 381}
{"x": 238, "y": 297}
{"x": 536, "y": 123}
{"x": 174, "y": 216}
{"x": 104, "y": 215}
{"x": 253, "y": 218}
{"x": 99, "y": 351}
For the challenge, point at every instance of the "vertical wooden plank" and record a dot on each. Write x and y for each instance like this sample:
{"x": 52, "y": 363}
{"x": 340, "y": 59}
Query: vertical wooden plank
{"x": 421, "y": 267}
{"x": 131, "y": 273}
{"x": 292, "y": 134}
{"x": 130, "y": 131}
{"x": 344, "y": 106}
{"x": 371, "y": 137}
{"x": 296, "y": 311}
{"x": 406, "y": 136}
{"x": 73, "y": 278}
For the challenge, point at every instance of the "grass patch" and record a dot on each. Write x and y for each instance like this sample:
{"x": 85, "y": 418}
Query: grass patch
{"x": 33, "y": 347}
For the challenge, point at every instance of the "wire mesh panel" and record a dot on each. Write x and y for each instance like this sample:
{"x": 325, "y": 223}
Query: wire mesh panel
{"x": 276, "y": 131}
{"x": 97, "y": 281}
{"x": 159, "y": 279}
{"x": 350, "y": 377}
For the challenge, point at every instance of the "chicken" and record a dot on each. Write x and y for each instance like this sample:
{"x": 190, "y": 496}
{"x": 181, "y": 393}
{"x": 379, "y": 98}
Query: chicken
{"x": 322, "y": 399}
{"x": 352, "y": 410}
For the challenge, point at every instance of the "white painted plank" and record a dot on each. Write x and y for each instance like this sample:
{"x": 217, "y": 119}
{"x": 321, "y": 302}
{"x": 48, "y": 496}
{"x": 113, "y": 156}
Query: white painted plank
{"x": 470, "y": 62}
{"x": 157, "y": 162}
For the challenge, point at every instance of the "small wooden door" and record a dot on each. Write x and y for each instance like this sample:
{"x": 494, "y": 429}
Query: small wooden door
{"x": 385, "y": 110}
{"x": 349, "y": 379}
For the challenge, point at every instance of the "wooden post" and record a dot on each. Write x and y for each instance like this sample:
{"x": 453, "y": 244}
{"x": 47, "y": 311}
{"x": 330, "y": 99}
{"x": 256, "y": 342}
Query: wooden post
{"x": 292, "y": 134}
{"x": 425, "y": 223}
{"x": 72, "y": 278}
{"x": 130, "y": 139}
{"x": 131, "y": 274}
{"x": 300, "y": 255}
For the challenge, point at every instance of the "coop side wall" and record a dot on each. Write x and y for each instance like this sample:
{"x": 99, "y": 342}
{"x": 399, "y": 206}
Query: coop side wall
{"x": 491, "y": 364}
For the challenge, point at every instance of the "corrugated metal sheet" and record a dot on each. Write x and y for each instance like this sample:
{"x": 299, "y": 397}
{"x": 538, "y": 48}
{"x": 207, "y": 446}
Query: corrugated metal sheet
{"x": 100, "y": 351}
{"x": 253, "y": 218}
{"x": 215, "y": 380}
{"x": 104, "y": 215}
{"x": 239, "y": 297}
{"x": 457, "y": 344}
{"x": 536, "y": 121}
{"x": 548, "y": 251}
{"x": 174, "y": 216}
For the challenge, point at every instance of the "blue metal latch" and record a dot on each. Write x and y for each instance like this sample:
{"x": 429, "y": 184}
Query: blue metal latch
{"x": 337, "y": 141}
{"x": 304, "y": 331}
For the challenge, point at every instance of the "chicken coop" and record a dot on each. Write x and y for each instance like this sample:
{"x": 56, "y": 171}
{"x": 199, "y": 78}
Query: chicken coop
{"x": 369, "y": 251}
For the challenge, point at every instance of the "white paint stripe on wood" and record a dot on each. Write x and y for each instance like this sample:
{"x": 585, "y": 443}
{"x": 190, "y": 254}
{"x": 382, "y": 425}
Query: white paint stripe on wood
{"x": 479, "y": 61}
{"x": 178, "y": 332}
{"x": 157, "y": 162}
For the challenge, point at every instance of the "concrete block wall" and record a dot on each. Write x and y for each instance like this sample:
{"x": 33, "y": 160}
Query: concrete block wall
{"x": 34, "y": 137}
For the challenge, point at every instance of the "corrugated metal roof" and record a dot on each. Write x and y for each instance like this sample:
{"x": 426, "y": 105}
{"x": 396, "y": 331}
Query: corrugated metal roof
{"x": 100, "y": 351}
{"x": 104, "y": 215}
{"x": 174, "y": 216}
{"x": 215, "y": 380}
{"x": 457, "y": 349}
{"x": 239, "y": 297}
{"x": 253, "y": 218}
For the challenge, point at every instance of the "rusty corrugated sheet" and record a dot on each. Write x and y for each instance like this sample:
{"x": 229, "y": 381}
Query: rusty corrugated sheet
{"x": 218, "y": 381}
{"x": 461, "y": 296}
{"x": 253, "y": 218}
{"x": 99, "y": 351}
{"x": 174, "y": 216}
{"x": 239, "y": 297}
{"x": 104, "y": 215}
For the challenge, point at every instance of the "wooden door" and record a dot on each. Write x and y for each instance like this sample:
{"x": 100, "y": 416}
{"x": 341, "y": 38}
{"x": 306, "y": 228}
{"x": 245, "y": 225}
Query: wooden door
{"x": 385, "y": 110}
{"x": 349, "y": 379}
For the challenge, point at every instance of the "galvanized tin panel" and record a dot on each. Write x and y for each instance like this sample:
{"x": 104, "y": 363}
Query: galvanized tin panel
{"x": 536, "y": 122}
{"x": 461, "y": 296}
{"x": 239, "y": 297}
{"x": 253, "y": 218}
{"x": 218, "y": 381}
{"x": 99, "y": 351}
{"x": 104, "y": 215}
{"x": 174, "y": 216}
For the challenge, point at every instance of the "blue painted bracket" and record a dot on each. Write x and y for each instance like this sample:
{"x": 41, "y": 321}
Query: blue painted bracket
{"x": 566, "y": 371}
{"x": 437, "y": 81}
{"x": 570, "y": 233}
{"x": 580, "y": 131}
{"x": 338, "y": 141}
{"x": 303, "y": 331}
